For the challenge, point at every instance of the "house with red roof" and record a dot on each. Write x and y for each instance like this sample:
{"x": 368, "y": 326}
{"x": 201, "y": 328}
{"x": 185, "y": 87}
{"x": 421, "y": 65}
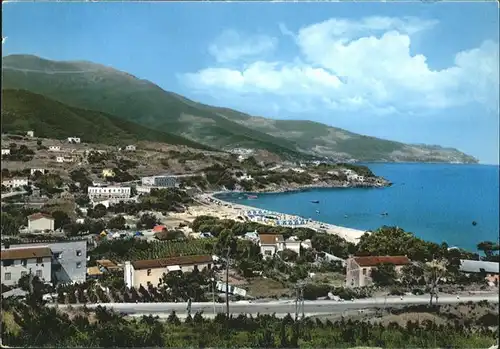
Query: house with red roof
{"x": 40, "y": 222}
{"x": 359, "y": 269}
{"x": 159, "y": 228}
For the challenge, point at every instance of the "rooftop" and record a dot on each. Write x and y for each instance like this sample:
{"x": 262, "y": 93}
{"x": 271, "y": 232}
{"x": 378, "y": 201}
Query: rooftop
{"x": 106, "y": 263}
{"x": 25, "y": 253}
{"x": 39, "y": 215}
{"x": 270, "y": 239}
{"x": 166, "y": 262}
{"x": 371, "y": 261}
{"x": 470, "y": 266}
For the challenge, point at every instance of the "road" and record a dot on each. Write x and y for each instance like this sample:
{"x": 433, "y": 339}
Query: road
{"x": 285, "y": 306}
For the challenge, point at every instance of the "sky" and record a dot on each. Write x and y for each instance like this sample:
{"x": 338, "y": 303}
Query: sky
{"x": 420, "y": 72}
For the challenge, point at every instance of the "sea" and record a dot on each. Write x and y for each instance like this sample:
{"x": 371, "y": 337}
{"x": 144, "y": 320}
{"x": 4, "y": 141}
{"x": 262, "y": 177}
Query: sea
{"x": 436, "y": 202}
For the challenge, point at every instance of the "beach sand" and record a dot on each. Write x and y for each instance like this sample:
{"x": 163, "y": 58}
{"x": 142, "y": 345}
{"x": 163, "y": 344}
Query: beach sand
{"x": 227, "y": 210}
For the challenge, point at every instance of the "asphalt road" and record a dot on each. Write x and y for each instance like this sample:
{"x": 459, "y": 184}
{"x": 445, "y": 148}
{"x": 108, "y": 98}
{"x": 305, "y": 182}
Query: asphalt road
{"x": 286, "y": 306}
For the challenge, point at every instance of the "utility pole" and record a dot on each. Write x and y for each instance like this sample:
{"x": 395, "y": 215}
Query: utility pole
{"x": 227, "y": 281}
{"x": 299, "y": 300}
{"x": 213, "y": 292}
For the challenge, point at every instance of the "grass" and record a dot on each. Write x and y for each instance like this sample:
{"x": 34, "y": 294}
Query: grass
{"x": 23, "y": 111}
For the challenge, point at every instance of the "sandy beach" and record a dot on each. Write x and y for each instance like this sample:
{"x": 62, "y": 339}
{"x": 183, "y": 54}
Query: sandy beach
{"x": 227, "y": 210}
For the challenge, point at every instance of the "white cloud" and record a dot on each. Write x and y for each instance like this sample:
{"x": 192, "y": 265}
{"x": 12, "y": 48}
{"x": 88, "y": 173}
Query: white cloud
{"x": 231, "y": 46}
{"x": 358, "y": 65}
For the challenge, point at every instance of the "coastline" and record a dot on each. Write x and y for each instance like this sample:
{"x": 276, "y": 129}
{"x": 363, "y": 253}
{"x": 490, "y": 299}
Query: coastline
{"x": 232, "y": 211}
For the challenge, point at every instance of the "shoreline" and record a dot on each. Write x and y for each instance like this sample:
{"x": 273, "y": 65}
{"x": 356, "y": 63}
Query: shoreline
{"x": 232, "y": 211}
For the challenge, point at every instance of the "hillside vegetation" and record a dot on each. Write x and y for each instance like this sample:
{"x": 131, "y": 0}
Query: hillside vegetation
{"x": 23, "y": 111}
{"x": 92, "y": 86}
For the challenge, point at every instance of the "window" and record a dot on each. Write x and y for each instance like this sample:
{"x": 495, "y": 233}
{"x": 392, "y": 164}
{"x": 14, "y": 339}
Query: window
{"x": 78, "y": 253}
{"x": 8, "y": 262}
{"x": 268, "y": 253}
{"x": 364, "y": 271}
{"x": 39, "y": 260}
{"x": 149, "y": 272}
{"x": 78, "y": 264}
{"x": 7, "y": 276}
{"x": 39, "y": 274}
{"x": 24, "y": 262}
{"x": 24, "y": 273}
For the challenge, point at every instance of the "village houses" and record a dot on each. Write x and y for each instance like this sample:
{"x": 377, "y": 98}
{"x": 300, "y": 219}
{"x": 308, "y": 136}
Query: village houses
{"x": 40, "y": 222}
{"x": 145, "y": 272}
{"x": 35, "y": 170}
{"x": 56, "y": 262}
{"x": 15, "y": 182}
{"x": 270, "y": 244}
{"x": 359, "y": 269}
{"x": 5, "y": 151}
{"x": 74, "y": 140}
{"x": 54, "y": 148}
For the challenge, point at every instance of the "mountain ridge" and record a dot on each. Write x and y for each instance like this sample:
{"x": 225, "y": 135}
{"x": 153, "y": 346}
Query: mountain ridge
{"x": 141, "y": 101}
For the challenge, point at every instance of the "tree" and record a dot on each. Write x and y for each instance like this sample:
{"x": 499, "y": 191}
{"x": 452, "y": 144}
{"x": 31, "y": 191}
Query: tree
{"x": 288, "y": 255}
{"x": 147, "y": 221}
{"x": 98, "y": 211}
{"x": 117, "y": 222}
{"x": 384, "y": 274}
{"x": 490, "y": 249}
{"x": 60, "y": 219}
{"x": 433, "y": 273}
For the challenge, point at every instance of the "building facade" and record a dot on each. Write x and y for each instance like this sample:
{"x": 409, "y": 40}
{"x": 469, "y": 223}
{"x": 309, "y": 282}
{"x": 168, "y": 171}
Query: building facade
{"x": 54, "y": 148}
{"x": 16, "y": 182}
{"x": 74, "y": 139}
{"x": 110, "y": 192}
{"x": 108, "y": 172}
{"x": 490, "y": 270}
{"x": 68, "y": 260}
{"x": 40, "y": 222}
{"x": 30, "y": 134}
{"x": 18, "y": 262}
{"x": 146, "y": 272}
{"x": 5, "y": 151}
{"x": 359, "y": 269}
{"x": 270, "y": 244}
{"x": 35, "y": 170}
{"x": 160, "y": 181}
{"x": 130, "y": 148}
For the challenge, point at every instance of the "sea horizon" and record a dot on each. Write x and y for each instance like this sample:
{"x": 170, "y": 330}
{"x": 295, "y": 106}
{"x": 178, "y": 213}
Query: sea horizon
{"x": 436, "y": 202}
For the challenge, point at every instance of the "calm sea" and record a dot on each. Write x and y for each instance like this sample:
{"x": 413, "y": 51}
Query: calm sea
{"x": 436, "y": 202}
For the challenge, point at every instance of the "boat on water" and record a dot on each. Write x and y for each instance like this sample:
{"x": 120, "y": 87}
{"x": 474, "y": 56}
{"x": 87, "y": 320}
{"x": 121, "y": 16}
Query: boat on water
{"x": 252, "y": 196}
{"x": 315, "y": 201}
{"x": 384, "y": 214}
{"x": 317, "y": 211}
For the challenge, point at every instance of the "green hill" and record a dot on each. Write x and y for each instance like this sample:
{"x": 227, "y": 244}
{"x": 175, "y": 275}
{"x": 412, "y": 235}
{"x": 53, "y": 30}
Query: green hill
{"x": 96, "y": 87}
{"x": 23, "y": 111}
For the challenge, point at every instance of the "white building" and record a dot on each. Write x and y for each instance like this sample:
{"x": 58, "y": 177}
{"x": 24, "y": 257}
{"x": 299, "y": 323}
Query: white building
{"x": 67, "y": 262}
{"x": 74, "y": 140}
{"x": 30, "y": 134}
{"x": 62, "y": 159}
{"x": 164, "y": 181}
{"x": 5, "y": 151}
{"x": 34, "y": 170}
{"x": 40, "y": 222}
{"x": 18, "y": 262}
{"x": 110, "y": 192}
{"x": 130, "y": 148}
{"x": 16, "y": 182}
{"x": 54, "y": 148}
{"x": 270, "y": 244}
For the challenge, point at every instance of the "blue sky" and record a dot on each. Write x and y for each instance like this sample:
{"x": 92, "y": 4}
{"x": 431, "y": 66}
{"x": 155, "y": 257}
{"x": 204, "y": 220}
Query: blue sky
{"x": 413, "y": 72}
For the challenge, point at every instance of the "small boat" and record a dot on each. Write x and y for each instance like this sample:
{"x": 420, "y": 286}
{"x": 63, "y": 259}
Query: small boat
{"x": 252, "y": 197}
{"x": 315, "y": 201}
{"x": 474, "y": 223}
{"x": 384, "y": 214}
{"x": 317, "y": 211}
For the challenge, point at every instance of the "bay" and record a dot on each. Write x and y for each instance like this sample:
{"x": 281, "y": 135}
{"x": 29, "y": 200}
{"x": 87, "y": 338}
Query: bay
{"x": 436, "y": 202}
